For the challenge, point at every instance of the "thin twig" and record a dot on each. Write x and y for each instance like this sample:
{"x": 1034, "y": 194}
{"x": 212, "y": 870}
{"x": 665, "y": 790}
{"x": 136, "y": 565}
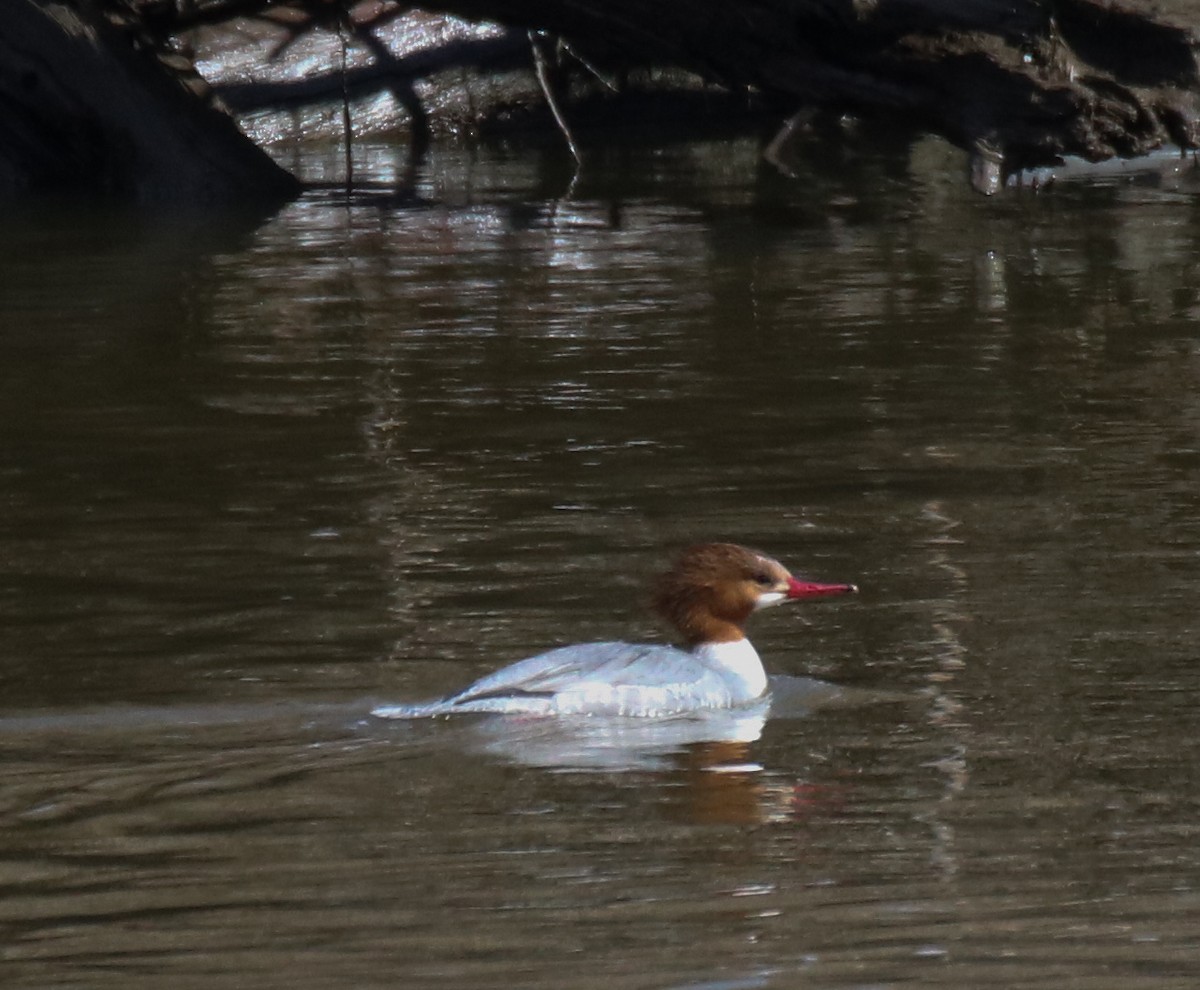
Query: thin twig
{"x": 600, "y": 76}
{"x": 543, "y": 77}
{"x": 347, "y": 127}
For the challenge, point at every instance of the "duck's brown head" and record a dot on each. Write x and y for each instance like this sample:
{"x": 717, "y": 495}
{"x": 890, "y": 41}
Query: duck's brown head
{"x": 714, "y": 587}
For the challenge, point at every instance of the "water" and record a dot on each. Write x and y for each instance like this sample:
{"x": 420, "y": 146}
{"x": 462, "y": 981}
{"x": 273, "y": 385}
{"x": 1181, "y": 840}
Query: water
{"x": 257, "y": 477}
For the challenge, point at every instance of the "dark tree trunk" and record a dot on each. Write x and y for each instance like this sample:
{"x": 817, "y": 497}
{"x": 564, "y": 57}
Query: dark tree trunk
{"x": 83, "y": 112}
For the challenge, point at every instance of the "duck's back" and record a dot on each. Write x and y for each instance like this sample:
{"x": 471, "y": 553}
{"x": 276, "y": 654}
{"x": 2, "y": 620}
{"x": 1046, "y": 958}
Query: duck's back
{"x": 602, "y": 678}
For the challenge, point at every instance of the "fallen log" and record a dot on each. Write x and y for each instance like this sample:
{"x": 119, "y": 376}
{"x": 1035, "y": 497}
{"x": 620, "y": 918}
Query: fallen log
{"x": 1018, "y": 83}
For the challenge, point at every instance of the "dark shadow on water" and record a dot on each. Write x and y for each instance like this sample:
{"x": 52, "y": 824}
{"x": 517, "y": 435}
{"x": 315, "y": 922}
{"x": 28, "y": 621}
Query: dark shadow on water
{"x": 300, "y": 716}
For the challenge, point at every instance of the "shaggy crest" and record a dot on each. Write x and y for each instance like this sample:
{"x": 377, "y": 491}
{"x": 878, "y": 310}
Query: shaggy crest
{"x": 711, "y": 590}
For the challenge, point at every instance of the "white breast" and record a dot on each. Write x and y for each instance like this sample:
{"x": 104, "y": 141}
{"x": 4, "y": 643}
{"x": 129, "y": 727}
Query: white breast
{"x": 739, "y": 661}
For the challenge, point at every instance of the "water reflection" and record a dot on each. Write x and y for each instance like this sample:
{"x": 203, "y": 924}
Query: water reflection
{"x": 716, "y": 740}
{"x": 707, "y": 759}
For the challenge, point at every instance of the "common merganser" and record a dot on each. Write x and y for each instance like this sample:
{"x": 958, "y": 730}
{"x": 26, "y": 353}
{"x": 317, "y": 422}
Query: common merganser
{"x": 707, "y": 596}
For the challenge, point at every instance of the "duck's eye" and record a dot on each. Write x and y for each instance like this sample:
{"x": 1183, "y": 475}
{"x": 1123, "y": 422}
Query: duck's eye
{"x": 764, "y": 579}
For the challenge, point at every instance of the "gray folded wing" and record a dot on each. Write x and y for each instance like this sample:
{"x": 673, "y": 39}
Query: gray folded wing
{"x": 618, "y": 664}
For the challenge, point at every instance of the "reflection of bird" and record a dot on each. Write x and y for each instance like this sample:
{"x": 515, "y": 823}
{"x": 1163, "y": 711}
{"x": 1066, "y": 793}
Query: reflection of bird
{"x": 707, "y": 596}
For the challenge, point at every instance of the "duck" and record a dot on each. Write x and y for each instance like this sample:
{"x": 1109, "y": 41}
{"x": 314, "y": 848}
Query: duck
{"x": 707, "y": 597}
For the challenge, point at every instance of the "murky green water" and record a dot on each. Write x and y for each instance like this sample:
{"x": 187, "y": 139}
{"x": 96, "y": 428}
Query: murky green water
{"x": 256, "y": 477}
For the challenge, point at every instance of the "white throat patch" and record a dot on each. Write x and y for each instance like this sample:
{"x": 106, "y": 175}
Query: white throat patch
{"x": 769, "y": 598}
